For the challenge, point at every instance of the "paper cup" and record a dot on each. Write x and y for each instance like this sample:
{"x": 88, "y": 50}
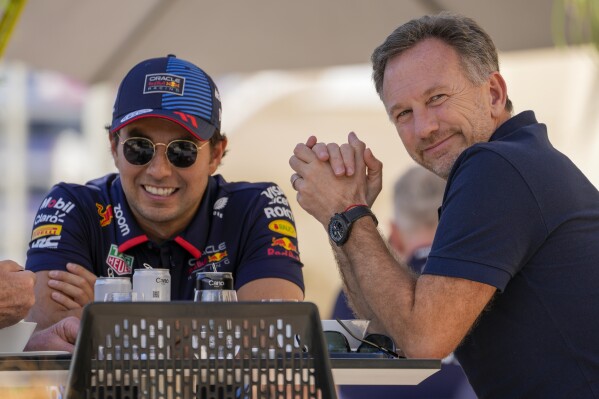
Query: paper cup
{"x": 15, "y": 337}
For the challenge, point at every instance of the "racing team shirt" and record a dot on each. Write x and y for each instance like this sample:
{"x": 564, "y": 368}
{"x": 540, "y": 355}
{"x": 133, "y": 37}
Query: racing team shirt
{"x": 243, "y": 228}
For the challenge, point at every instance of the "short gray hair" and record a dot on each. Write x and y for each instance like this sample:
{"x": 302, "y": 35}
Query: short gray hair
{"x": 417, "y": 196}
{"x": 474, "y": 46}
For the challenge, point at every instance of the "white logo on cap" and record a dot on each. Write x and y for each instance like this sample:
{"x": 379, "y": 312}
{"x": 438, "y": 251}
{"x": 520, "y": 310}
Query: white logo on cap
{"x": 134, "y": 114}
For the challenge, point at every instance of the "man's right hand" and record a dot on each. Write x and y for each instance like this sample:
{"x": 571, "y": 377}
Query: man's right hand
{"x": 16, "y": 292}
{"x": 342, "y": 159}
{"x": 74, "y": 288}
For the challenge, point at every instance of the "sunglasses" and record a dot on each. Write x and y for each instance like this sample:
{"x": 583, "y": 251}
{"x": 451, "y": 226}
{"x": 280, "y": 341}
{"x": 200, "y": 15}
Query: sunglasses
{"x": 180, "y": 153}
{"x": 372, "y": 343}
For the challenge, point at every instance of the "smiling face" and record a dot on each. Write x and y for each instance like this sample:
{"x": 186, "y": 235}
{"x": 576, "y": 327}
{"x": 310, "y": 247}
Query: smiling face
{"x": 436, "y": 110}
{"x": 162, "y": 197}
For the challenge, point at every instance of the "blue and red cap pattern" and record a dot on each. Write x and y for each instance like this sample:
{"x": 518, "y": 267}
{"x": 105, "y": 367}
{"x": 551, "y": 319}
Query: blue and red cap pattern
{"x": 169, "y": 88}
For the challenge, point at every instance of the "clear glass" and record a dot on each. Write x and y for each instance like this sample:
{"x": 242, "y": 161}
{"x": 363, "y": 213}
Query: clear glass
{"x": 215, "y": 296}
{"x": 278, "y": 300}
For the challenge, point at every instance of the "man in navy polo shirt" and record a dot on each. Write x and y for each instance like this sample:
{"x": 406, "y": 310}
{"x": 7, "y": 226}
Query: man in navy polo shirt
{"x": 511, "y": 283}
{"x": 164, "y": 208}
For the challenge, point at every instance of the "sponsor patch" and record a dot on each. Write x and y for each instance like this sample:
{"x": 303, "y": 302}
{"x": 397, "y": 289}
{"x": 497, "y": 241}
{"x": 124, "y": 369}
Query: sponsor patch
{"x": 217, "y": 257}
{"x": 46, "y": 242}
{"x": 134, "y": 114}
{"x": 283, "y": 242}
{"x": 46, "y": 230}
{"x": 120, "y": 263}
{"x": 57, "y": 217}
{"x": 213, "y": 257}
{"x": 121, "y": 221}
{"x": 220, "y": 203}
{"x": 59, "y": 203}
{"x": 283, "y": 227}
{"x": 277, "y": 212}
{"x": 276, "y": 252}
{"x": 105, "y": 214}
{"x": 164, "y": 83}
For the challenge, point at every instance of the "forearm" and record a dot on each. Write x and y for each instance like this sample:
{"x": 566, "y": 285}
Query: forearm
{"x": 46, "y": 311}
{"x": 427, "y": 316}
{"x": 353, "y": 292}
{"x": 386, "y": 288}
{"x": 270, "y": 288}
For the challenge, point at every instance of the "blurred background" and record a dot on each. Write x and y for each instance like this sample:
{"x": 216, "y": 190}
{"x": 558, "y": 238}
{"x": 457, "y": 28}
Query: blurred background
{"x": 285, "y": 70}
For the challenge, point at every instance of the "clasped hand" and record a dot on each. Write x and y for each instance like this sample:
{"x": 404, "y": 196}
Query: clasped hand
{"x": 330, "y": 177}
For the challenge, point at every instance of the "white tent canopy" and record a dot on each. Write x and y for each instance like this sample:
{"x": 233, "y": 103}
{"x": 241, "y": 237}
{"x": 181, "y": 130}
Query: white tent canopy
{"x": 96, "y": 41}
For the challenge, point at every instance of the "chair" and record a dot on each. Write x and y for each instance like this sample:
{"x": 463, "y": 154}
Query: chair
{"x": 184, "y": 350}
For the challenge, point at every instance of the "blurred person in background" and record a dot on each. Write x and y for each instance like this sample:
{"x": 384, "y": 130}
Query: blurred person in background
{"x": 511, "y": 284}
{"x": 17, "y": 297}
{"x": 417, "y": 196}
{"x": 164, "y": 208}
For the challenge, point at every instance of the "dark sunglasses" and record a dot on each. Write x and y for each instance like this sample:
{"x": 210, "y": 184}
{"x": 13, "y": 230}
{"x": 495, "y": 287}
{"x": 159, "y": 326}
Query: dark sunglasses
{"x": 180, "y": 153}
{"x": 372, "y": 343}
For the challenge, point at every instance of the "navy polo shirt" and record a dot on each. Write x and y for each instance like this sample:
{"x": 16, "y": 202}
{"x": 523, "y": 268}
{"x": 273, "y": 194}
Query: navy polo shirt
{"x": 243, "y": 228}
{"x": 520, "y": 216}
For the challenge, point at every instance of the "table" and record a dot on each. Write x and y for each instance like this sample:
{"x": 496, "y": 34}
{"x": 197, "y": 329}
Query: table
{"x": 383, "y": 371}
{"x": 40, "y": 370}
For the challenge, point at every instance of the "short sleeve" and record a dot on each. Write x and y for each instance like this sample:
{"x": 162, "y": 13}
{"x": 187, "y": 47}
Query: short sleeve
{"x": 59, "y": 235}
{"x": 269, "y": 244}
{"x": 490, "y": 222}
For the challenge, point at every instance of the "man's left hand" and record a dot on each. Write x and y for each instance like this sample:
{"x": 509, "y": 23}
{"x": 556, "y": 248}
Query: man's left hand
{"x": 74, "y": 288}
{"x": 58, "y": 337}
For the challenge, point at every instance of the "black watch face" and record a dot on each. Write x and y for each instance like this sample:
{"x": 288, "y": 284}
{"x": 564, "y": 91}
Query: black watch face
{"x": 337, "y": 229}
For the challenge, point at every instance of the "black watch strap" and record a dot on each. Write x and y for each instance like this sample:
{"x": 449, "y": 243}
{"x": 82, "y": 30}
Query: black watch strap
{"x": 340, "y": 224}
{"x": 358, "y": 211}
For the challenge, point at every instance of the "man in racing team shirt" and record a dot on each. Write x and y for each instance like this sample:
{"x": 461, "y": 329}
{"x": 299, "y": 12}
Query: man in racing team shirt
{"x": 164, "y": 208}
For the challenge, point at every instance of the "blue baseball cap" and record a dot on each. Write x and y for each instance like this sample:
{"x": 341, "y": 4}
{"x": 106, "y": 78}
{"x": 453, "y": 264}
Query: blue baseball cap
{"x": 169, "y": 88}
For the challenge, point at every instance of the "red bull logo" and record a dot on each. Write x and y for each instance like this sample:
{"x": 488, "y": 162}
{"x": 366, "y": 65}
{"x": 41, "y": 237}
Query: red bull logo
{"x": 217, "y": 257}
{"x": 164, "y": 83}
{"x": 285, "y": 243}
{"x": 105, "y": 214}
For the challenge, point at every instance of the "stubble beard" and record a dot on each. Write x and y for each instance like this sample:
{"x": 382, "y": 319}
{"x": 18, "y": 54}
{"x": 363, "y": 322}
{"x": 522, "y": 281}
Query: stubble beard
{"x": 442, "y": 167}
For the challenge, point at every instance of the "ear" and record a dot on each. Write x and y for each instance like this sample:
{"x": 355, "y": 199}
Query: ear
{"x": 216, "y": 155}
{"x": 498, "y": 94}
{"x": 113, "y": 147}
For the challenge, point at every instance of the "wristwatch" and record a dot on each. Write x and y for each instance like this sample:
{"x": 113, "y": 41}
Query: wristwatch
{"x": 341, "y": 223}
